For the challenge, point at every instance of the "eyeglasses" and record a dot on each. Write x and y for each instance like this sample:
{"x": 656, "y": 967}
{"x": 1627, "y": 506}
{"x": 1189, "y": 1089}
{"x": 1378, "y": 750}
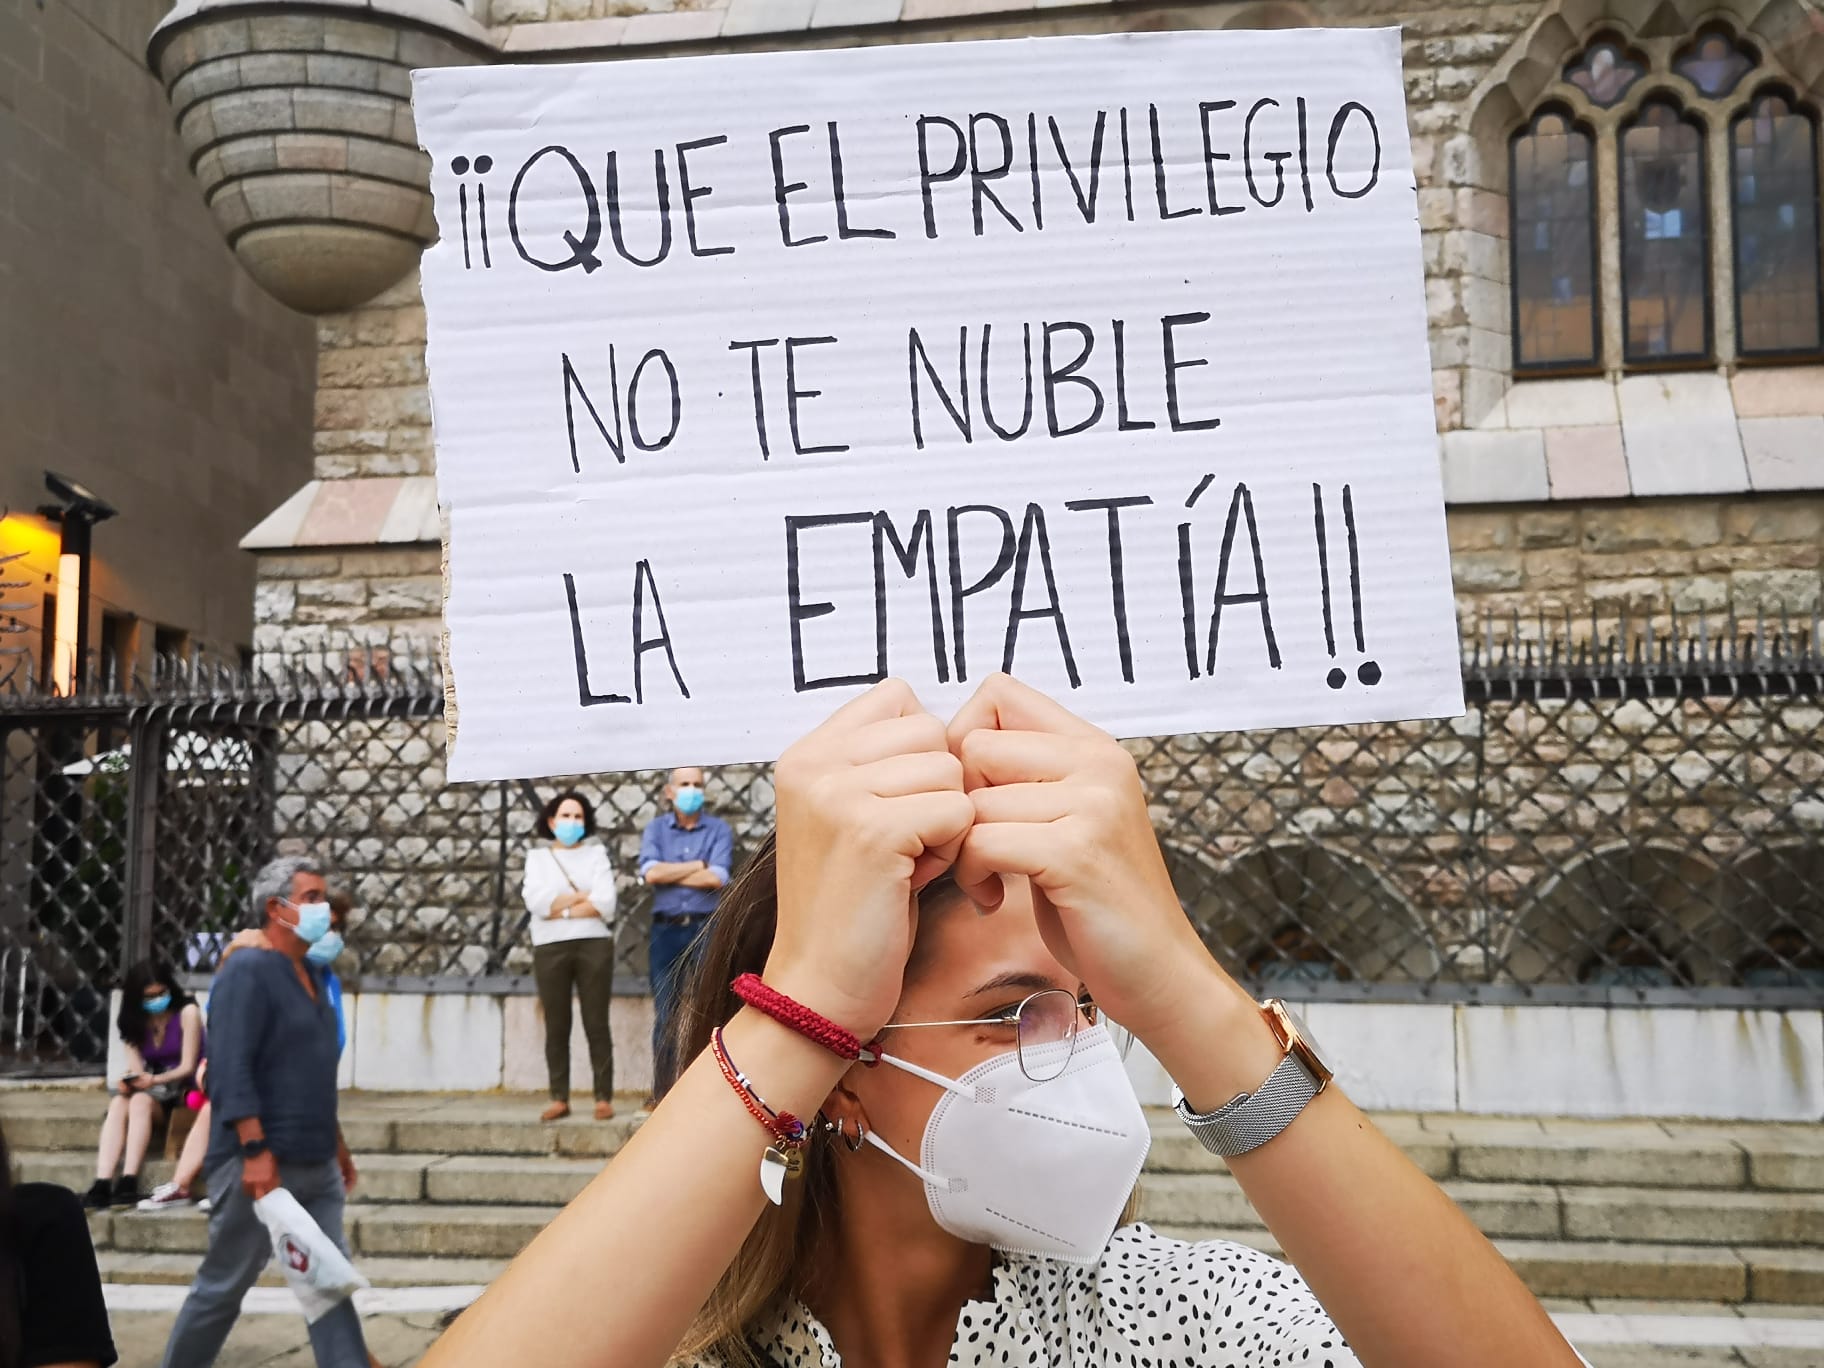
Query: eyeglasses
{"x": 1043, "y": 1028}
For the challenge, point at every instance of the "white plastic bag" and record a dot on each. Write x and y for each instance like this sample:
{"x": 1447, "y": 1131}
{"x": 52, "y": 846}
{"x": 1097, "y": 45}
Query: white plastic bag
{"x": 318, "y": 1273}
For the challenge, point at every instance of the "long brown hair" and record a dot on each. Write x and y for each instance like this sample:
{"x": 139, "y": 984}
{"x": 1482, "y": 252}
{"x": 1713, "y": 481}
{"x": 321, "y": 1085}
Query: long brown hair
{"x": 780, "y": 1250}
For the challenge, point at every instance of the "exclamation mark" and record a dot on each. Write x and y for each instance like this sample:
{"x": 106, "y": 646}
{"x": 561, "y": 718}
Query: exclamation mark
{"x": 1368, "y": 672}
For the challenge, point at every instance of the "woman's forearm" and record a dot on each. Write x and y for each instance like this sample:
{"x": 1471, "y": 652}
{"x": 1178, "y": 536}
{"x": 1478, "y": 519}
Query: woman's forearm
{"x": 688, "y": 1181}
{"x": 1403, "y": 1272}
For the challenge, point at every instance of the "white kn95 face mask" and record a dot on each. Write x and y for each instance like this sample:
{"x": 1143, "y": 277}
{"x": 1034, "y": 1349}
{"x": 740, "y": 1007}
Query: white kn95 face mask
{"x": 1032, "y": 1168}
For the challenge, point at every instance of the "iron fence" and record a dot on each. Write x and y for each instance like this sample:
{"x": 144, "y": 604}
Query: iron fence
{"x": 1622, "y": 815}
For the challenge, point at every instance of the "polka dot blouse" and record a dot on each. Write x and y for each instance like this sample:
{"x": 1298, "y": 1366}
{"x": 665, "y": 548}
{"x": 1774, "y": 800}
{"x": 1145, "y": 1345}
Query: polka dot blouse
{"x": 1151, "y": 1302}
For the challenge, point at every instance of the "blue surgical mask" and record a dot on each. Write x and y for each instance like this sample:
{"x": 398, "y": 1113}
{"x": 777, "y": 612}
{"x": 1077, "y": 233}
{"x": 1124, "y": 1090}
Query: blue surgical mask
{"x": 325, "y": 950}
{"x": 161, "y": 1003}
{"x": 568, "y": 832}
{"x": 689, "y": 801}
{"x": 313, "y": 921}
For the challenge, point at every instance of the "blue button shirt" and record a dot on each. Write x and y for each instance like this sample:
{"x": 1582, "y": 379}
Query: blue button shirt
{"x": 273, "y": 1055}
{"x": 668, "y": 841}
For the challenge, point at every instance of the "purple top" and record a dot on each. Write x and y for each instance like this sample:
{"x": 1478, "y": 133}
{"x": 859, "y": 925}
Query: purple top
{"x": 166, "y": 1052}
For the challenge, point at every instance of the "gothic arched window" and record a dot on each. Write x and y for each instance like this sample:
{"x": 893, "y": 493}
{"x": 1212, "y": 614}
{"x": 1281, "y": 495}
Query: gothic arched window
{"x": 1554, "y": 243}
{"x": 1773, "y": 176}
{"x": 1665, "y": 261}
{"x": 1664, "y": 211}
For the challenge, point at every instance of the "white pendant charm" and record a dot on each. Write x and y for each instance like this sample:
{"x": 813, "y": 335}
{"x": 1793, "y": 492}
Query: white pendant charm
{"x": 773, "y": 1169}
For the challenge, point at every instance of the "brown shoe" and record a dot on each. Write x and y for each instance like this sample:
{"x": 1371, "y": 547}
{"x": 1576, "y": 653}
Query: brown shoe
{"x": 557, "y": 1111}
{"x": 604, "y": 1111}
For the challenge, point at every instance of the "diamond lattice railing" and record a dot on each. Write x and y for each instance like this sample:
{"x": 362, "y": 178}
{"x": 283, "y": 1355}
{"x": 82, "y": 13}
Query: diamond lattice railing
{"x": 1622, "y": 818}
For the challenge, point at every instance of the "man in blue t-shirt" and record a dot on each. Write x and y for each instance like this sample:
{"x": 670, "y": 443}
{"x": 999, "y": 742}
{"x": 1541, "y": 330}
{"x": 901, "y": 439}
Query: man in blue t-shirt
{"x": 684, "y": 858}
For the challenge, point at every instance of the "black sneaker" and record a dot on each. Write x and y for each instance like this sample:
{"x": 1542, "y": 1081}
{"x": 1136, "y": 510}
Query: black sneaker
{"x": 126, "y": 1191}
{"x": 99, "y": 1197}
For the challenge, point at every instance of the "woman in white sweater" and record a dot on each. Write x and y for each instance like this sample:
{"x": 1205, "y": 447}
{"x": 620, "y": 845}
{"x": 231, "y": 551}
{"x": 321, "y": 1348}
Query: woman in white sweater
{"x": 569, "y": 889}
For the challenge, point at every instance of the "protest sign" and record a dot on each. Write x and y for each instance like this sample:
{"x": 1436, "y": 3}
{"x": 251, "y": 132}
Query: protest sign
{"x": 757, "y": 378}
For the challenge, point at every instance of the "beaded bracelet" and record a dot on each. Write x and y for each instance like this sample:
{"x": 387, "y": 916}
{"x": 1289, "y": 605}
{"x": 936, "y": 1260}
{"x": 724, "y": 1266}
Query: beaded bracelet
{"x": 752, "y": 990}
{"x": 784, "y": 1158}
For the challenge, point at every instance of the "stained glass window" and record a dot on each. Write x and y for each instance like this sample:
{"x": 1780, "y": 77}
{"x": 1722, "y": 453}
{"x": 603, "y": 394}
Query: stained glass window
{"x": 1773, "y": 172}
{"x": 1714, "y": 63}
{"x": 1604, "y": 71}
{"x": 1664, "y": 237}
{"x": 1554, "y": 244}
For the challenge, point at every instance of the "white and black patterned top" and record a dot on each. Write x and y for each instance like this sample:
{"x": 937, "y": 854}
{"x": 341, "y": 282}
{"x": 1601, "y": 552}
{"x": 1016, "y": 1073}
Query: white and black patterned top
{"x": 1151, "y": 1302}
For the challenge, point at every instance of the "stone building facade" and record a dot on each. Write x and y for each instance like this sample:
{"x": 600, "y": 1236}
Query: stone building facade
{"x": 1623, "y": 472}
{"x": 1627, "y": 485}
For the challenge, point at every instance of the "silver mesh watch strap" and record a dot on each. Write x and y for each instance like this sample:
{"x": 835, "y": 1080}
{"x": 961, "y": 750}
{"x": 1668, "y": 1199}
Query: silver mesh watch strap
{"x": 1252, "y": 1119}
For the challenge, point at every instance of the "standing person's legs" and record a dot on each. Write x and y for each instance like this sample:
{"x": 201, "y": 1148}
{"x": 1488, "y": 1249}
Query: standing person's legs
{"x": 336, "y": 1337}
{"x": 595, "y": 994}
{"x": 554, "y": 975}
{"x": 238, "y": 1249}
{"x": 669, "y": 942}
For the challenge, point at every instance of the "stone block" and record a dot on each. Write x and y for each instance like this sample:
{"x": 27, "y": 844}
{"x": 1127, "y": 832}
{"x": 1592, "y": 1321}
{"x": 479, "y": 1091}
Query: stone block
{"x": 1777, "y": 591}
{"x": 1482, "y": 572}
{"x": 844, "y": 13}
{"x": 1778, "y": 391}
{"x": 1613, "y": 1155}
{"x": 1763, "y": 521}
{"x": 1685, "y": 524}
{"x": 766, "y": 16}
{"x": 683, "y": 26}
{"x": 1562, "y": 403}
{"x": 1494, "y": 467}
{"x": 406, "y": 598}
{"x": 1641, "y": 1061}
{"x": 427, "y": 1042}
{"x": 1788, "y": 1276}
{"x": 1546, "y": 528}
{"x": 464, "y": 1231}
{"x": 1680, "y": 434}
{"x": 499, "y": 1180}
{"x": 1586, "y": 462}
{"x": 1665, "y": 1215}
{"x": 519, "y": 11}
{"x": 1784, "y": 453}
{"x": 1663, "y": 1272}
{"x": 1699, "y": 594}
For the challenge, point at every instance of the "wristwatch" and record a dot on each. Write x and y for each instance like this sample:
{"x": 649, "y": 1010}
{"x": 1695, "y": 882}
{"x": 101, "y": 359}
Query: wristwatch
{"x": 1250, "y": 1119}
{"x": 254, "y": 1148}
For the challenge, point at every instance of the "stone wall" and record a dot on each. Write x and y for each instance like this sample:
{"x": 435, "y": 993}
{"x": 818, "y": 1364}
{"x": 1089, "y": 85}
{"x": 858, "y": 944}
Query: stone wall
{"x": 1746, "y": 555}
{"x": 135, "y": 354}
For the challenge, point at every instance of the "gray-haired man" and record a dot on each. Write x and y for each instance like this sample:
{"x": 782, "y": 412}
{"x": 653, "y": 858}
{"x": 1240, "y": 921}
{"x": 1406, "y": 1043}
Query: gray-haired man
{"x": 272, "y": 1086}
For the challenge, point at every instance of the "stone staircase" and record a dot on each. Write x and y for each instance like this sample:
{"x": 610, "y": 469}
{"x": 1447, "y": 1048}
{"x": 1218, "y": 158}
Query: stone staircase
{"x": 454, "y": 1185}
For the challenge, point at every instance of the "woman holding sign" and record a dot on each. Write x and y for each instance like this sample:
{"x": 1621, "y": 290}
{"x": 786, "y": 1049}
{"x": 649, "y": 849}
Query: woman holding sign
{"x": 907, "y": 1138}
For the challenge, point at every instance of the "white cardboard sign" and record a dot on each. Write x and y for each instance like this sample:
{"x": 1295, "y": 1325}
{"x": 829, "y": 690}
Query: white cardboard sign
{"x": 757, "y": 378}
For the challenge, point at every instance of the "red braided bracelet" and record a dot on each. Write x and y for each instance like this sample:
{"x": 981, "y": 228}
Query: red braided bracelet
{"x": 785, "y": 1128}
{"x": 753, "y": 991}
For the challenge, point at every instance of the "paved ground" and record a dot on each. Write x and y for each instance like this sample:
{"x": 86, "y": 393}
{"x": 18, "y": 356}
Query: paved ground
{"x": 403, "y": 1322}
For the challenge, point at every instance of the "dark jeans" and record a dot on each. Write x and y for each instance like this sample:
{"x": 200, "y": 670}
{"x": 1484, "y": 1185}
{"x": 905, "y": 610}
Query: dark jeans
{"x": 674, "y": 948}
{"x": 585, "y": 968}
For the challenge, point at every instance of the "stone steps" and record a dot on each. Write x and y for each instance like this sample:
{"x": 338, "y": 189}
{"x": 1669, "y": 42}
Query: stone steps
{"x": 453, "y": 1186}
